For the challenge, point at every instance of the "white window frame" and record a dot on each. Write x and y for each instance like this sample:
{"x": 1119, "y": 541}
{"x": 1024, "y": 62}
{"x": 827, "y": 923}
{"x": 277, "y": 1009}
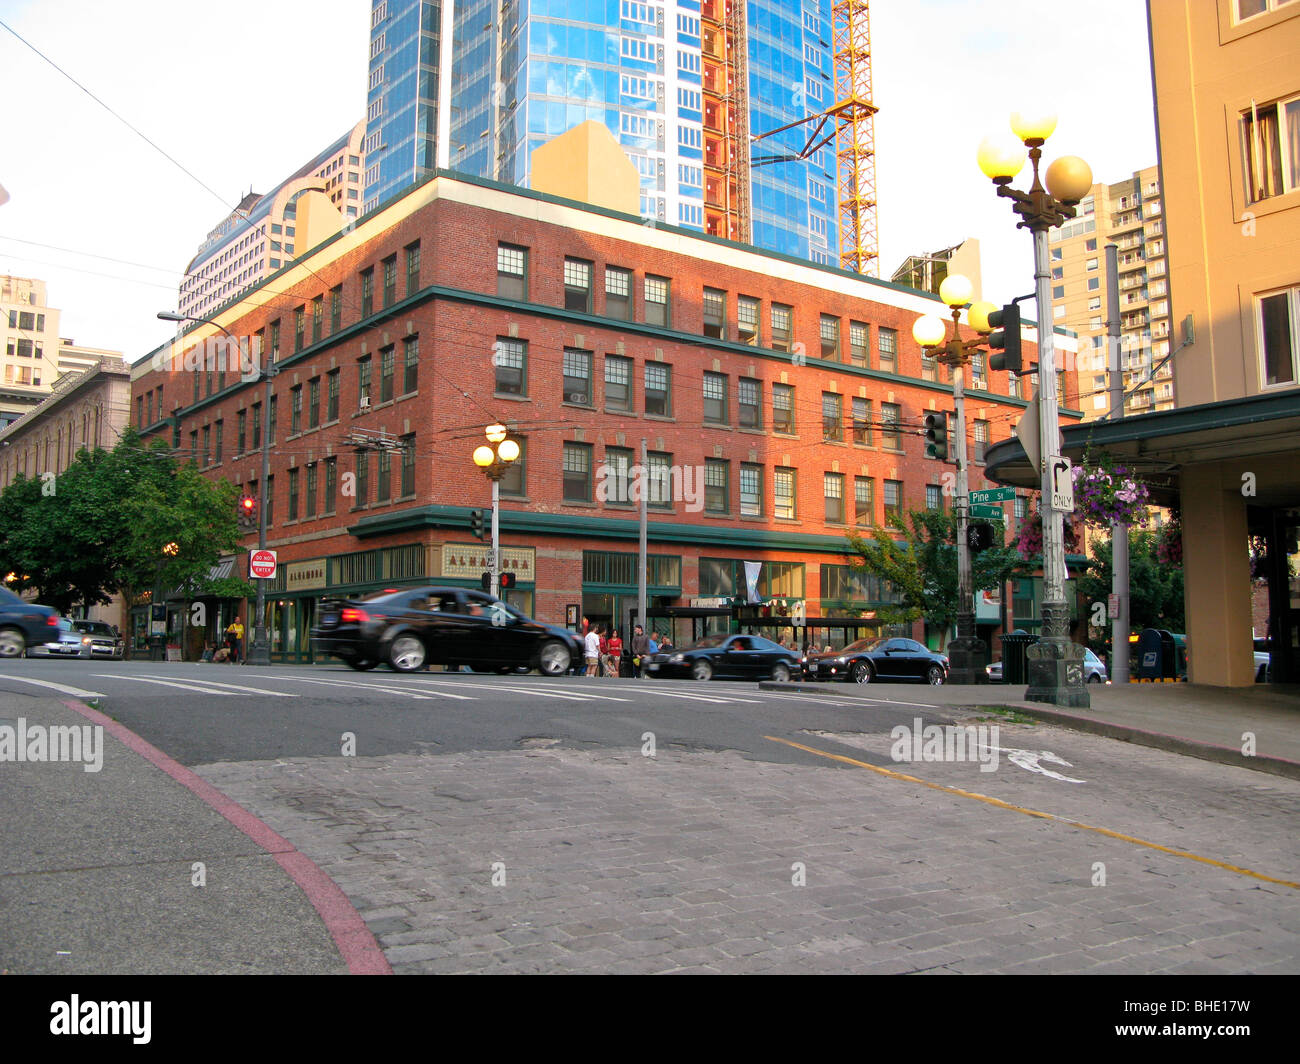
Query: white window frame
{"x": 1293, "y": 309}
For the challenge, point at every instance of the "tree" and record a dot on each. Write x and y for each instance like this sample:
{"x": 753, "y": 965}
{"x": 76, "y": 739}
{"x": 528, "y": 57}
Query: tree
{"x": 1155, "y": 587}
{"x": 921, "y": 568}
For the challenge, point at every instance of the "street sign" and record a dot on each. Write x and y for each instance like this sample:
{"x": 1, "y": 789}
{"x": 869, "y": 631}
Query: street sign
{"x": 1112, "y": 606}
{"x": 1062, "y": 484}
{"x": 989, "y": 495}
{"x": 261, "y": 565}
{"x": 989, "y": 513}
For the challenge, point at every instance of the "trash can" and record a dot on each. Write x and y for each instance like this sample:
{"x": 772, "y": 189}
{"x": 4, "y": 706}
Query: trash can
{"x": 1015, "y": 666}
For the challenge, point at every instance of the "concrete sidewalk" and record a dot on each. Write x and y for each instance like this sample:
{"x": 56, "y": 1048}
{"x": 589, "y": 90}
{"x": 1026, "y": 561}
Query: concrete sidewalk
{"x": 141, "y": 867}
{"x": 1212, "y": 723}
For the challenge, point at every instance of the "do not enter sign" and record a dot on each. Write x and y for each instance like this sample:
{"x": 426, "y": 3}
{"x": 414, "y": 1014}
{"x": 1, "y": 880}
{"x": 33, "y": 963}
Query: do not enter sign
{"x": 261, "y": 564}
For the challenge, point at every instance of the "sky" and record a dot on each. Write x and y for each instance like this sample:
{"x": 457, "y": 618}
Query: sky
{"x": 243, "y": 93}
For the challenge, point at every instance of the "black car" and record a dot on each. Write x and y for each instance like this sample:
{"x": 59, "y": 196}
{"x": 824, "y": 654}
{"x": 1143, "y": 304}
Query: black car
{"x": 736, "y": 657}
{"x": 416, "y": 627}
{"x": 24, "y": 624}
{"x": 889, "y": 660}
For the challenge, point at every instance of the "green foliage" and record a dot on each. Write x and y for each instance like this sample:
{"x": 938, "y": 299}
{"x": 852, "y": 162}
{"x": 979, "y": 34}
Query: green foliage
{"x": 1155, "y": 587}
{"x": 922, "y": 567}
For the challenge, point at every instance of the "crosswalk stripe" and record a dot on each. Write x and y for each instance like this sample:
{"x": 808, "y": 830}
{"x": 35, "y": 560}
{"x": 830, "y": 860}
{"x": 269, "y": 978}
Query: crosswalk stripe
{"x": 241, "y": 687}
{"x": 77, "y": 691}
{"x": 567, "y": 696}
{"x": 721, "y": 699}
{"x": 194, "y": 686}
{"x": 355, "y": 686}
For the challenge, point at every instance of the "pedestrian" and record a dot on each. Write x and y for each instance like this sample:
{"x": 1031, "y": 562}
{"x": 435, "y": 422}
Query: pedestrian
{"x": 613, "y": 653}
{"x": 235, "y": 637}
{"x": 602, "y": 631}
{"x": 665, "y": 645}
{"x": 640, "y": 650}
{"x": 591, "y": 651}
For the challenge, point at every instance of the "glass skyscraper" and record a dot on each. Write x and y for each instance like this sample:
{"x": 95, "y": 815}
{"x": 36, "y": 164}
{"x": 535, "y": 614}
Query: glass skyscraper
{"x": 518, "y": 73}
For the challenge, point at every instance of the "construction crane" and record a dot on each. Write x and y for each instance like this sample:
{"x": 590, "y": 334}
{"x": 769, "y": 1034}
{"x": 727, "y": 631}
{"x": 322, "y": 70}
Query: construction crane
{"x": 852, "y": 126}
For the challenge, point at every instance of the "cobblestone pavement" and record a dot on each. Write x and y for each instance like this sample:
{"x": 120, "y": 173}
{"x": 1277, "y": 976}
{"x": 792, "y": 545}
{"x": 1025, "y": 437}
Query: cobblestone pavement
{"x": 551, "y": 859}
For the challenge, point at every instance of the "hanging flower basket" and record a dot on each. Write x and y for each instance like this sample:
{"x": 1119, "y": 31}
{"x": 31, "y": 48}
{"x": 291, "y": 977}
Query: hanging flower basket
{"x": 1169, "y": 547}
{"x": 1029, "y": 540}
{"x": 1105, "y": 493}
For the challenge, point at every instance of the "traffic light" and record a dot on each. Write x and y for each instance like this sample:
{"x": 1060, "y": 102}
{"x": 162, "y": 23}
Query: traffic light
{"x": 507, "y": 581}
{"x": 979, "y": 536}
{"x": 476, "y": 524}
{"x": 246, "y": 511}
{"x": 1004, "y": 341}
{"x": 485, "y": 581}
{"x": 936, "y": 435}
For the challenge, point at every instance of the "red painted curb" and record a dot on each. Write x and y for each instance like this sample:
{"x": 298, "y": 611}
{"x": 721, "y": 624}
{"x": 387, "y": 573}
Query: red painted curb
{"x": 356, "y": 944}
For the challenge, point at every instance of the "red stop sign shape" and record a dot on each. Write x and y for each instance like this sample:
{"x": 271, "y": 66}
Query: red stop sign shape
{"x": 261, "y": 564}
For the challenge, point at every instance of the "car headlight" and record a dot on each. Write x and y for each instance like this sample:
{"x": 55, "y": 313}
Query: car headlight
{"x": 676, "y": 659}
{"x": 838, "y": 661}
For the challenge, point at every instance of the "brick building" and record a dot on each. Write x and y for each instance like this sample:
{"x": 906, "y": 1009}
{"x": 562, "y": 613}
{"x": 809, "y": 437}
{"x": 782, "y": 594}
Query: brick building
{"x": 781, "y": 403}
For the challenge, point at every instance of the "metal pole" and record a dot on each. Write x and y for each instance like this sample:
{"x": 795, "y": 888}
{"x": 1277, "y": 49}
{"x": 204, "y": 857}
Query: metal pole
{"x": 1119, "y": 626}
{"x": 260, "y": 652}
{"x": 495, "y": 566}
{"x": 1055, "y": 663}
{"x": 966, "y": 653}
{"x": 642, "y": 558}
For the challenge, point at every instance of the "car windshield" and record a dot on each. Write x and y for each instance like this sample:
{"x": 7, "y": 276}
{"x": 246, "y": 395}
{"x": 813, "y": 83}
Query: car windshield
{"x": 709, "y": 642}
{"x": 863, "y": 644}
{"x": 94, "y": 627}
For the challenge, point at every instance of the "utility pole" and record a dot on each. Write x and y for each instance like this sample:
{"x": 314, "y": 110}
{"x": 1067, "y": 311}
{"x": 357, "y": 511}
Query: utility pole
{"x": 1120, "y": 624}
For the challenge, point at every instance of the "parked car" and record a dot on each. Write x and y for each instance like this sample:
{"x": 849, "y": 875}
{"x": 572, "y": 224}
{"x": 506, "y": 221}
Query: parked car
{"x": 727, "y": 657}
{"x": 889, "y": 660}
{"x": 1094, "y": 669}
{"x": 417, "y": 627}
{"x": 23, "y": 624}
{"x": 1263, "y": 661}
{"x": 105, "y": 640}
{"x": 63, "y": 641}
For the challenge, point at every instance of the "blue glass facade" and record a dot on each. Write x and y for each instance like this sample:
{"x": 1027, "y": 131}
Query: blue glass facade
{"x": 525, "y": 72}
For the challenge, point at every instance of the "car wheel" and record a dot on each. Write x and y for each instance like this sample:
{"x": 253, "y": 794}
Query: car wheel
{"x": 861, "y": 673}
{"x": 934, "y": 675}
{"x": 361, "y": 664}
{"x": 701, "y": 670}
{"x": 12, "y": 643}
{"x": 781, "y": 673}
{"x": 1095, "y": 678}
{"x": 554, "y": 659}
{"x": 406, "y": 653}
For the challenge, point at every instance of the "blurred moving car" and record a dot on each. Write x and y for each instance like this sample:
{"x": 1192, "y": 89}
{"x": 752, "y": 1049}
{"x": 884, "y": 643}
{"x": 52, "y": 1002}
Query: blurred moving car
{"x": 64, "y": 641}
{"x": 23, "y": 624}
{"x": 727, "y": 657}
{"x": 889, "y": 660}
{"x": 413, "y": 628}
{"x": 1094, "y": 669}
{"x": 105, "y": 640}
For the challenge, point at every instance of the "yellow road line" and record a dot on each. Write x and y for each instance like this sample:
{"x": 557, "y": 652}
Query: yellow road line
{"x": 891, "y": 774}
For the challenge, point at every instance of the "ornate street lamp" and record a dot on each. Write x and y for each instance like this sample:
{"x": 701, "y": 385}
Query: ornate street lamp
{"x": 1055, "y": 663}
{"x": 494, "y": 458}
{"x": 967, "y": 654}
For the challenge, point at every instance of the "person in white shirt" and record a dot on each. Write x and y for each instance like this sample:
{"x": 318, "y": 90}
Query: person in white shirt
{"x": 591, "y": 651}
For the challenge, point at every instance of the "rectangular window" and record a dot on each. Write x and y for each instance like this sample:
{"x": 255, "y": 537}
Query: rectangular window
{"x": 384, "y": 477}
{"x": 832, "y": 417}
{"x": 894, "y": 503}
{"x": 387, "y": 369}
{"x": 207, "y": 444}
{"x": 783, "y": 408}
{"x": 618, "y": 383}
{"x": 981, "y": 440}
{"x": 1279, "y": 326}
{"x": 577, "y": 377}
{"x": 313, "y": 403}
{"x": 363, "y": 381}
{"x": 1270, "y": 149}
{"x": 336, "y": 309}
{"x": 367, "y": 292}
{"x": 859, "y": 344}
{"x": 293, "y": 495}
{"x": 577, "y": 472}
{"x": 257, "y": 426}
{"x": 659, "y": 477}
{"x": 891, "y": 431}
{"x": 715, "y": 398}
{"x": 275, "y": 402}
{"x": 783, "y": 500}
{"x": 270, "y": 501}
{"x": 295, "y": 410}
{"x": 978, "y": 378}
{"x": 408, "y": 467}
{"x": 656, "y": 301}
{"x": 747, "y": 320}
{"x": 317, "y": 318}
{"x": 309, "y": 506}
{"x": 511, "y": 362}
{"x": 332, "y": 410}
{"x": 331, "y": 482}
{"x": 751, "y": 490}
{"x": 749, "y": 400}
{"x": 618, "y": 293}
{"x": 782, "y": 326}
{"x": 390, "y": 281}
{"x": 864, "y": 501}
{"x": 717, "y": 476}
{"x": 658, "y": 389}
{"x": 715, "y": 313}
{"x": 887, "y": 346}
{"x": 577, "y": 286}
{"x": 413, "y": 268}
{"x": 362, "y": 480}
{"x": 299, "y": 327}
{"x": 862, "y": 422}
{"x": 833, "y": 491}
{"x": 933, "y": 497}
{"x": 616, "y": 475}
{"x": 830, "y": 334}
{"x": 242, "y": 423}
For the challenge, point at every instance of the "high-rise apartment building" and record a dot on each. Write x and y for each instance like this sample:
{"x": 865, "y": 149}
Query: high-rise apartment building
{"x": 681, "y": 84}
{"x": 264, "y": 233}
{"x": 1130, "y": 215}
